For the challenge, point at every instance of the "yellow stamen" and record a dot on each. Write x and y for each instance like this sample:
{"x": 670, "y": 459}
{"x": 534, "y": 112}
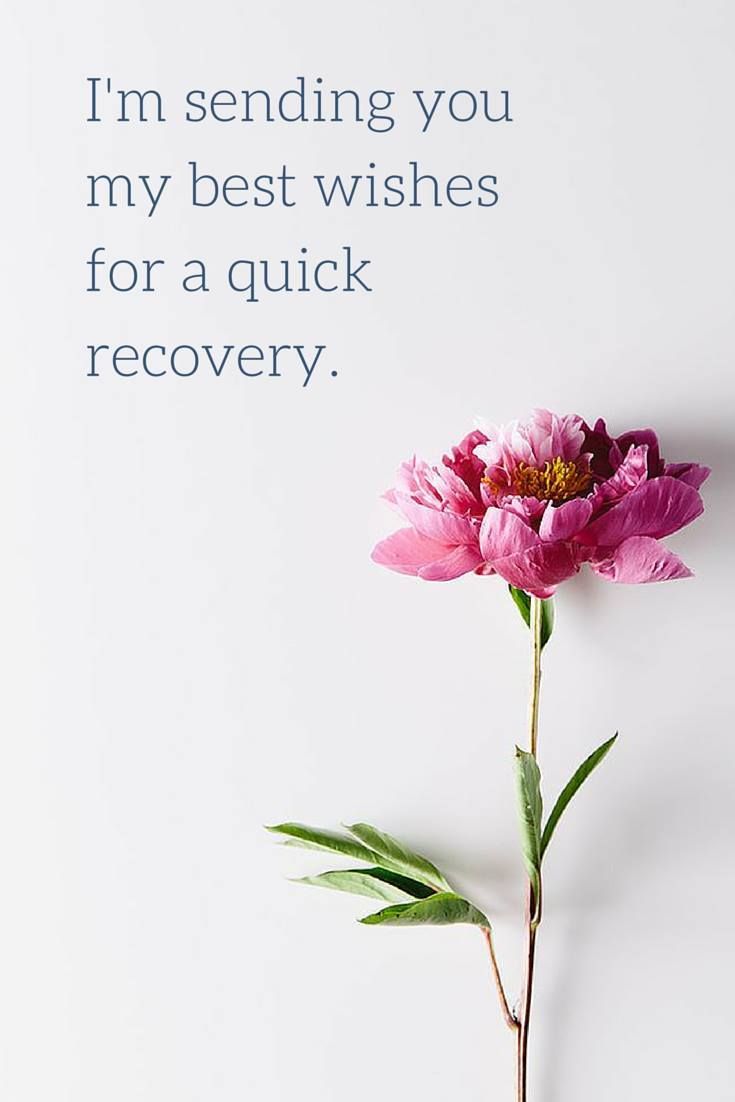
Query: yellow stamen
{"x": 558, "y": 480}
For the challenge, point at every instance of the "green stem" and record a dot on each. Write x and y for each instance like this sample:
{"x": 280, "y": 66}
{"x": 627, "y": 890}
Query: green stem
{"x": 533, "y": 906}
{"x": 536, "y": 621}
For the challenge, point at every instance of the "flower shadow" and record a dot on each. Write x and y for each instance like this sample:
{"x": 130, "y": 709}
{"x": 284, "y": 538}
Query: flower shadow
{"x": 634, "y": 847}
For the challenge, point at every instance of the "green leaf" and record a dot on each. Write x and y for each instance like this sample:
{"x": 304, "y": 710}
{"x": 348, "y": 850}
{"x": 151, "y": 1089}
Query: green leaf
{"x": 523, "y": 603}
{"x": 332, "y": 841}
{"x": 569, "y": 790}
{"x": 528, "y": 785}
{"x": 375, "y": 883}
{"x": 444, "y": 909}
{"x": 394, "y": 855}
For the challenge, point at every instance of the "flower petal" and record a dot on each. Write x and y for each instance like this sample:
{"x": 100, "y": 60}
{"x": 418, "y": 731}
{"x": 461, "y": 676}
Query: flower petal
{"x": 641, "y": 559}
{"x": 534, "y": 441}
{"x": 649, "y": 439}
{"x": 460, "y": 560}
{"x": 408, "y": 552}
{"x": 519, "y": 555}
{"x": 561, "y": 522}
{"x": 656, "y": 508}
{"x": 527, "y": 508}
{"x": 463, "y": 462}
{"x": 630, "y": 474}
{"x": 503, "y": 533}
{"x": 436, "y": 524}
{"x": 540, "y": 570}
{"x": 694, "y": 474}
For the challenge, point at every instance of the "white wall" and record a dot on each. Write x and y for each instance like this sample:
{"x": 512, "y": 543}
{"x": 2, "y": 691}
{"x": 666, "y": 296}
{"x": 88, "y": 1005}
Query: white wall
{"x": 195, "y": 642}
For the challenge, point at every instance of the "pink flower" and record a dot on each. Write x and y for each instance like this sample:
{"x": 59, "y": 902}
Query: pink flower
{"x": 532, "y": 501}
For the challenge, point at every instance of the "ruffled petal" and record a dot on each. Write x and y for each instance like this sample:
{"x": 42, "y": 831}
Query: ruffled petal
{"x": 534, "y": 441}
{"x": 649, "y": 439}
{"x": 519, "y": 555}
{"x": 463, "y": 462}
{"x": 459, "y": 561}
{"x": 641, "y": 559}
{"x": 656, "y": 508}
{"x": 540, "y": 570}
{"x": 694, "y": 474}
{"x": 437, "y": 524}
{"x": 408, "y": 552}
{"x": 527, "y": 508}
{"x": 561, "y": 522}
{"x": 503, "y": 533}
{"x": 630, "y": 474}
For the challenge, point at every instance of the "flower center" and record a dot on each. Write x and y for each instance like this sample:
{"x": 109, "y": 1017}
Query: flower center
{"x": 558, "y": 480}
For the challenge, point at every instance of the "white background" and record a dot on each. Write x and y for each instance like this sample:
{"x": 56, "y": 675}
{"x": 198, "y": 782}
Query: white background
{"x": 195, "y": 641}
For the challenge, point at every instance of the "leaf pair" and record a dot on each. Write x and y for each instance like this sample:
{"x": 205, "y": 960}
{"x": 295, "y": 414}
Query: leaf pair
{"x": 534, "y": 839}
{"x": 418, "y": 893}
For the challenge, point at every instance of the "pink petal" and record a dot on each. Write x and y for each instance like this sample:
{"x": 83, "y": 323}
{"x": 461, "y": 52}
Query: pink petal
{"x": 648, "y": 439}
{"x": 540, "y": 570}
{"x": 561, "y": 522}
{"x": 656, "y": 508}
{"x": 542, "y": 437}
{"x": 527, "y": 508}
{"x": 459, "y": 561}
{"x": 436, "y": 524}
{"x": 630, "y": 474}
{"x": 518, "y": 554}
{"x": 439, "y": 487}
{"x": 465, "y": 464}
{"x": 694, "y": 474}
{"x": 642, "y": 559}
{"x": 503, "y": 533}
{"x": 408, "y": 552}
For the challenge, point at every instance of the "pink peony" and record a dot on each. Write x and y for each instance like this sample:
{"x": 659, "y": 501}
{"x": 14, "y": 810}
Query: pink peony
{"x": 533, "y": 500}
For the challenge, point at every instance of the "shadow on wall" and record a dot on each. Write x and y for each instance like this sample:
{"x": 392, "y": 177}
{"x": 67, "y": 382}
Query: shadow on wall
{"x": 668, "y": 818}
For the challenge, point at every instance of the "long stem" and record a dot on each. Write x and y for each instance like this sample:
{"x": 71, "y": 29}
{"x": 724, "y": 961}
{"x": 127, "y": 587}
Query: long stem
{"x": 533, "y": 909}
{"x": 535, "y": 623}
